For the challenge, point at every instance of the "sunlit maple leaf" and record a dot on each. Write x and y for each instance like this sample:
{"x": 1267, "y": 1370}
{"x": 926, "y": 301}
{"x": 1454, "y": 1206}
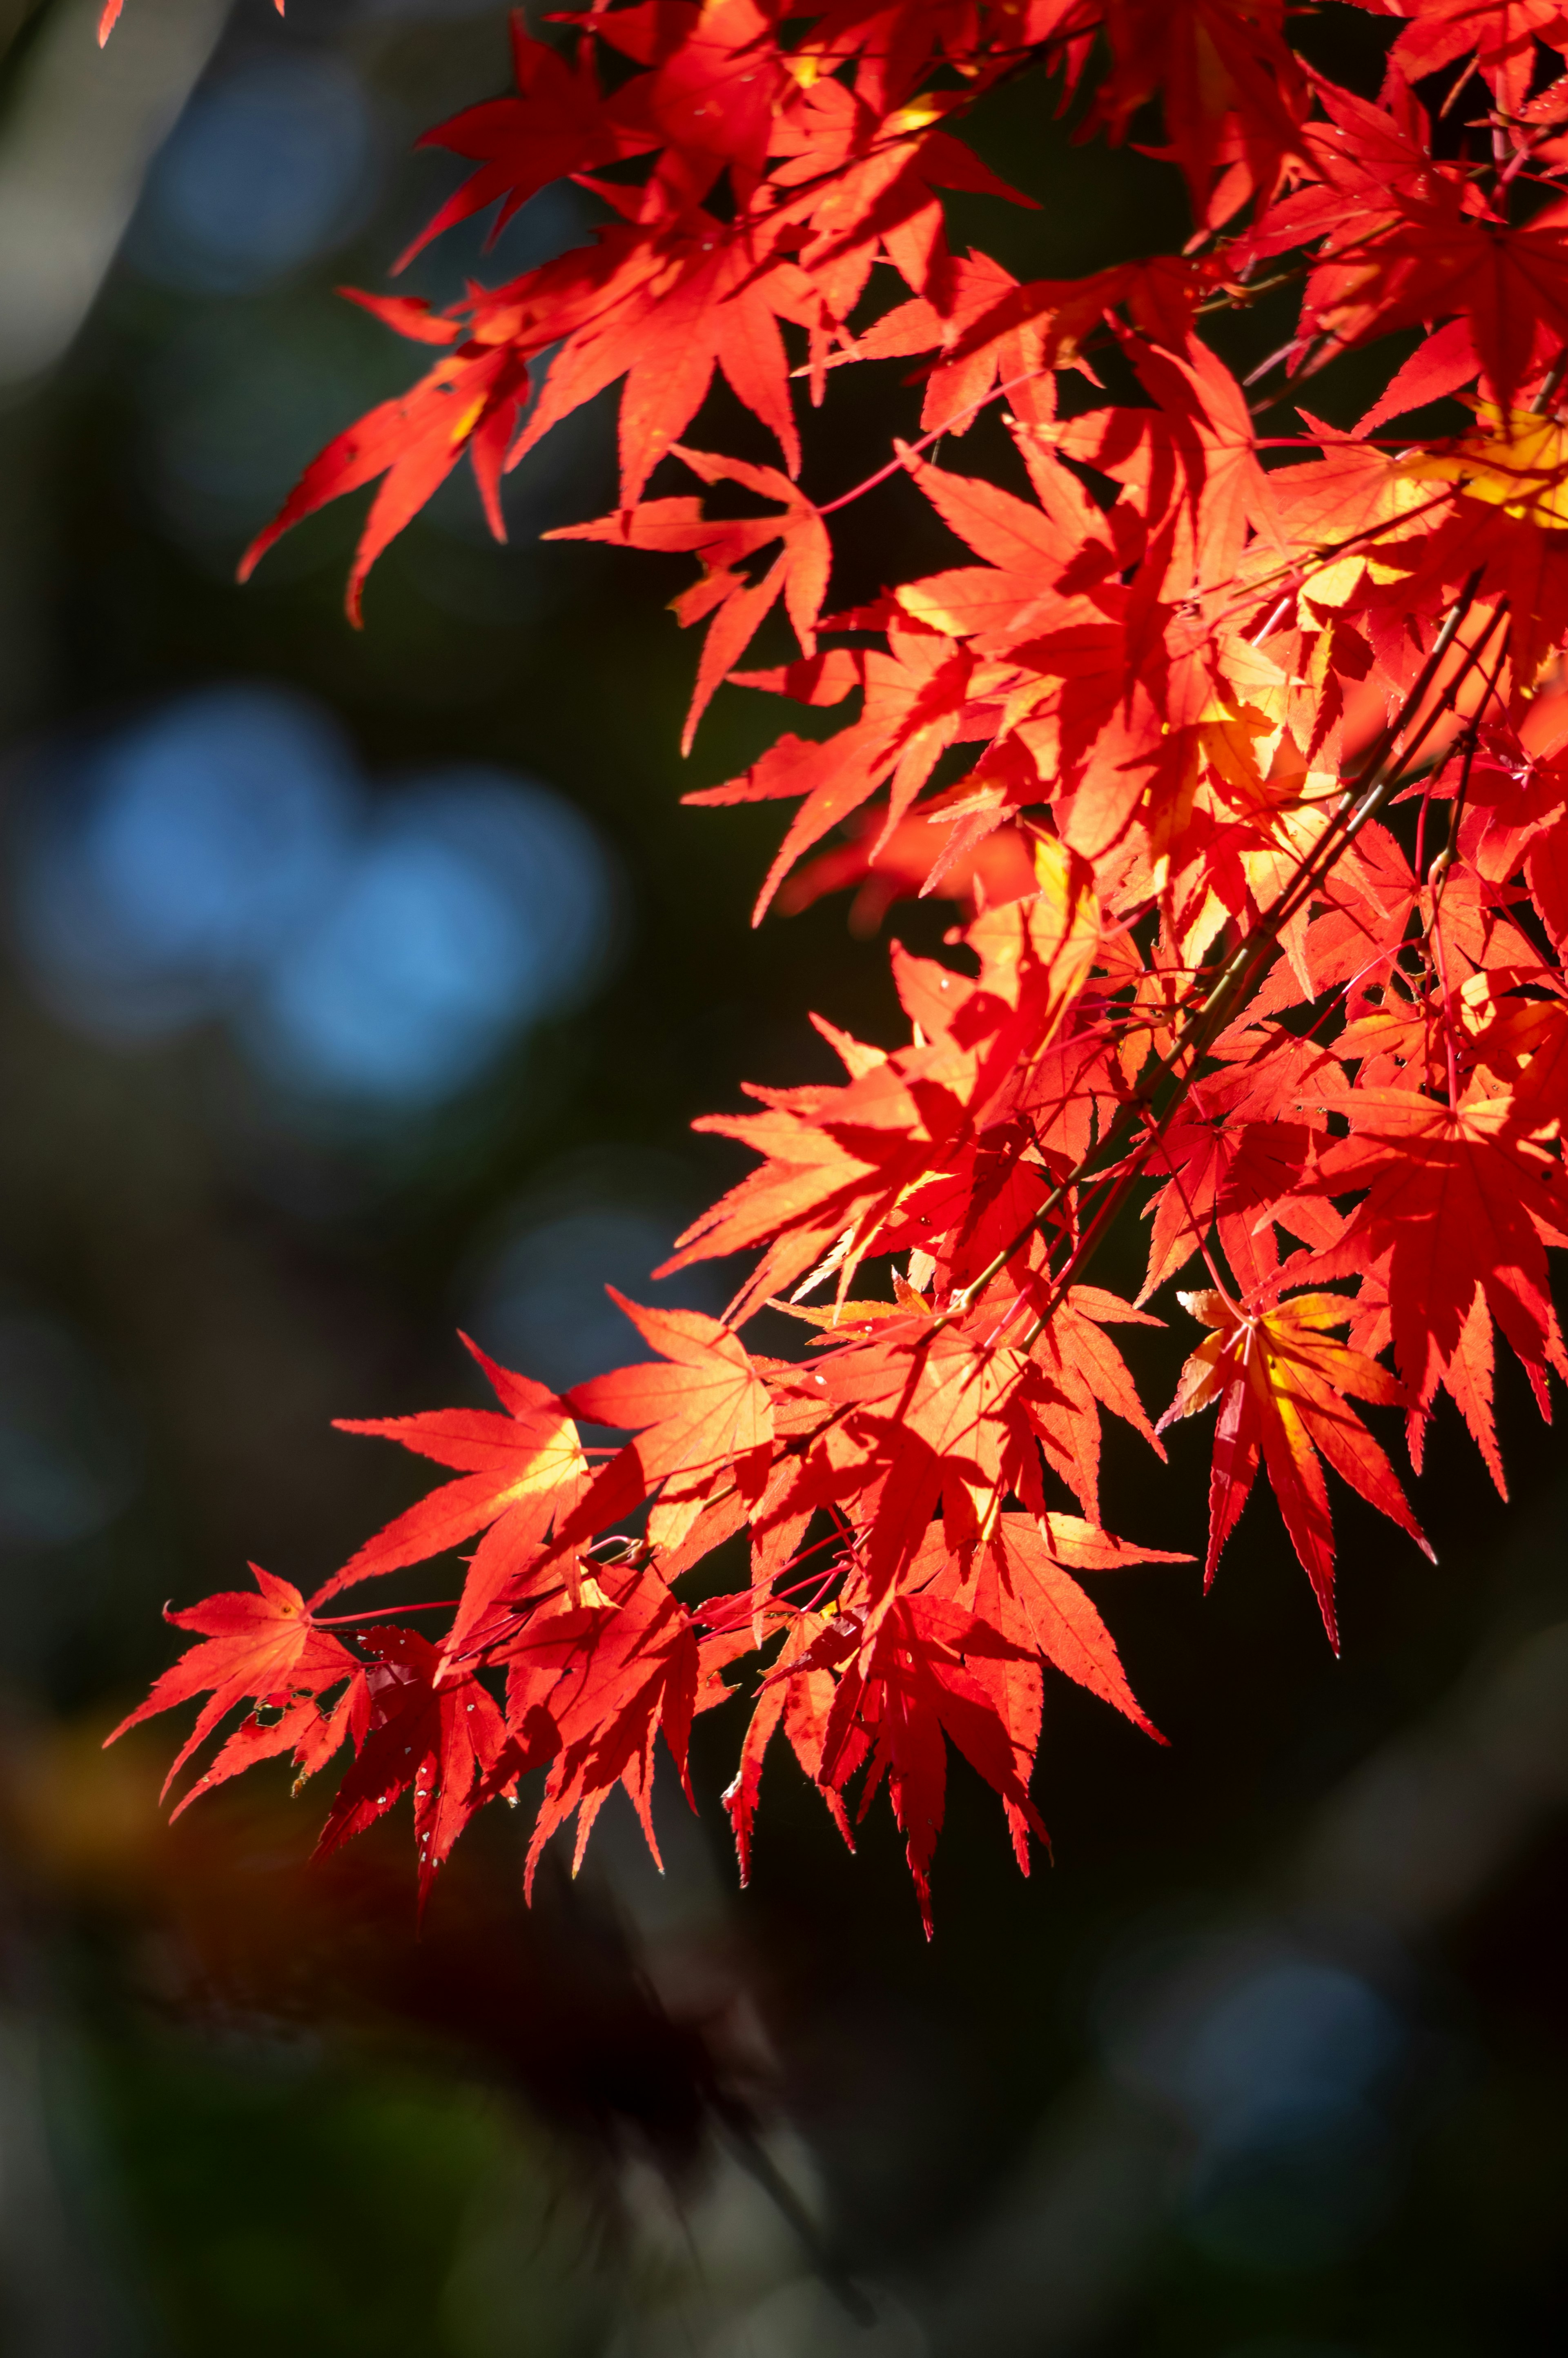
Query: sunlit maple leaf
{"x": 1034, "y": 1596}
{"x": 1281, "y": 1385}
{"x": 471, "y": 401}
{"x": 667, "y": 314}
{"x": 915, "y": 1681}
{"x": 265, "y": 1648}
{"x": 794, "y": 1698}
{"x": 595, "y": 1684}
{"x": 700, "y": 1411}
{"x": 1499, "y": 36}
{"x": 1031, "y": 553}
{"x": 736, "y": 605}
{"x": 841, "y": 1160}
{"x": 1009, "y": 357}
{"x": 716, "y": 89}
{"x": 311, "y": 1730}
{"x": 1405, "y": 240}
{"x": 516, "y": 1472}
{"x": 1518, "y": 462}
{"x": 1457, "y": 1198}
{"x": 917, "y": 703}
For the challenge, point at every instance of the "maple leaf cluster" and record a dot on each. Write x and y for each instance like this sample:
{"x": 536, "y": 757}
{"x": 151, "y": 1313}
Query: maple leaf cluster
{"x": 1244, "y": 750}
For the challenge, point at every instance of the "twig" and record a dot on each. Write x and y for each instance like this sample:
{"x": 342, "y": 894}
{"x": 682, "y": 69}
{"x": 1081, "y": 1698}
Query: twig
{"x": 1361, "y": 804}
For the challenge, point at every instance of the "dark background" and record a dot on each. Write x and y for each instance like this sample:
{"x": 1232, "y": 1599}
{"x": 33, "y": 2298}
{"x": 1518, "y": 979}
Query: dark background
{"x": 357, "y": 986}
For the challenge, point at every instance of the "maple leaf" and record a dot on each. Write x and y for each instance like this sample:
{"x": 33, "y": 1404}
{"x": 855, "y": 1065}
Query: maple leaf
{"x": 471, "y": 401}
{"x": 1077, "y": 1369}
{"x": 1406, "y": 240}
{"x": 882, "y": 199}
{"x": 840, "y": 1161}
{"x": 1019, "y": 1588}
{"x": 738, "y": 607}
{"x": 1281, "y": 1387}
{"x": 517, "y": 1472}
{"x": 1031, "y": 552}
{"x": 698, "y": 1408}
{"x": 1518, "y": 462}
{"x": 428, "y": 1727}
{"x": 1209, "y": 61}
{"x": 1189, "y": 670}
{"x": 716, "y": 92}
{"x": 836, "y": 1161}
{"x": 692, "y": 301}
{"x": 916, "y": 705}
{"x": 1442, "y": 365}
{"x": 1030, "y": 1593}
{"x": 1500, "y": 35}
{"x": 266, "y": 1648}
{"x": 796, "y": 1699}
{"x": 915, "y": 1680}
{"x": 596, "y": 1684}
{"x": 700, "y": 1411}
{"x": 309, "y": 1729}
{"x": 557, "y": 124}
{"x": 1458, "y": 1202}
{"x": 973, "y": 324}
{"x": 928, "y": 1413}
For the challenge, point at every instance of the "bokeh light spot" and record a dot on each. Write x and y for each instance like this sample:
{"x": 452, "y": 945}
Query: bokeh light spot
{"x": 268, "y": 165}
{"x": 479, "y": 905}
{"x": 224, "y": 858}
{"x": 181, "y": 854}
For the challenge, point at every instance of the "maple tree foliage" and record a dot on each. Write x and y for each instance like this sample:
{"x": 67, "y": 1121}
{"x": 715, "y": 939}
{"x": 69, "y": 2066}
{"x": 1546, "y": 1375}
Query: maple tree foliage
{"x": 1241, "y": 740}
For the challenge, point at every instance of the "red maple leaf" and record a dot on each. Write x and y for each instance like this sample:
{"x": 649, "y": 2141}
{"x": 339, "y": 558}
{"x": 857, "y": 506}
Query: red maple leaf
{"x": 430, "y": 1726}
{"x": 1151, "y": 717}
{"x": 717, "y": 89}
{"x": 840, "y": 1160}
{"x": 596, "y": 1683}
{"x": 557, "y": 124}
{"x": 518, "y": 1472}
{"x": 471, "y": 401}
{"x": 795, "y": 1697}
{"x": 1281, "y": 1386}
{"x": 1459, "y": 1200}
{"x": 924, "y": 1675}
{"x": 1026, "y": 1591}
{"x": 1215, "y": 65}
{"x": 700, "y": 1414}
{"x": 1500, "y": 35}
{"x": 738, "y": 605}
{"x": 265, "y": 1648}
{"x": 1403, "y": 239}
{"x": 666, "y": 312}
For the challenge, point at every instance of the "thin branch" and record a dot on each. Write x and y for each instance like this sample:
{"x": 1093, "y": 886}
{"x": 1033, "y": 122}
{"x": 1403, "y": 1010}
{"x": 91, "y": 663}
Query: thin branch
{"x": 1361, "y": 804}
